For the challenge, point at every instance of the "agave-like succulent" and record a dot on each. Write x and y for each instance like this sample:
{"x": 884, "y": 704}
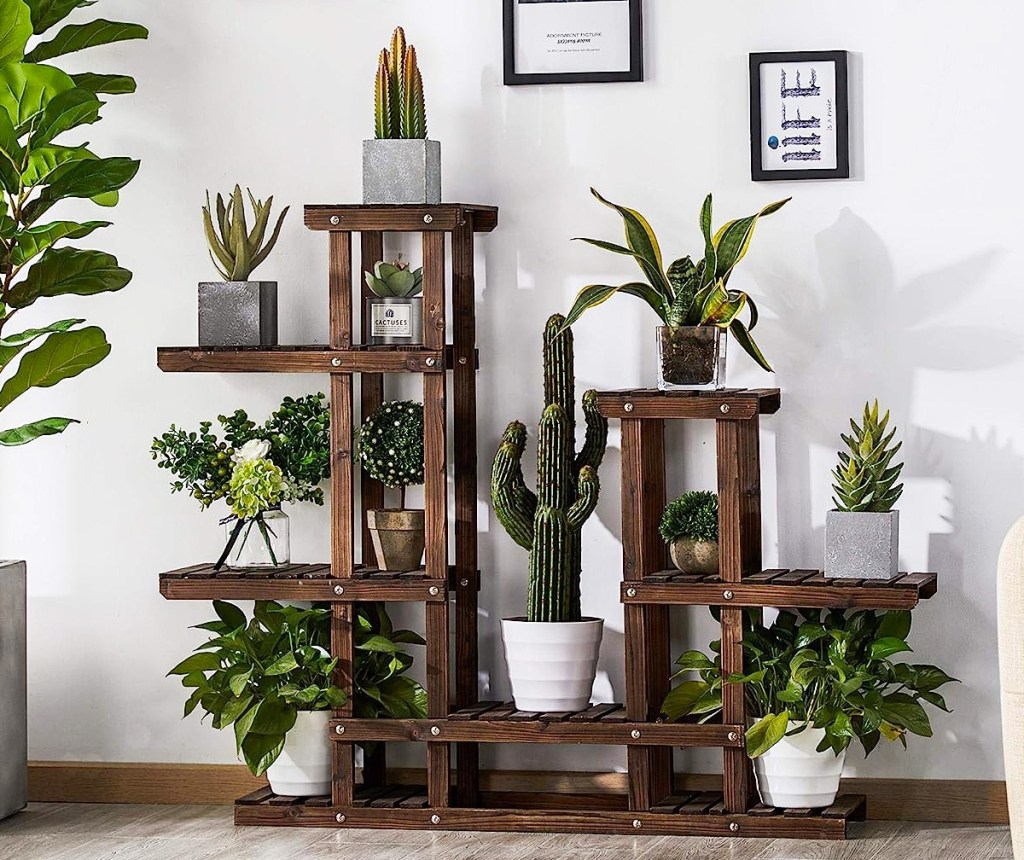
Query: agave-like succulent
{"x": 399, "y": 107}
{"x": 687, "y": 293}
{"x": 236, "y": 250}
{"x": 395, "y": 280}
{"x": 865, "y": 479}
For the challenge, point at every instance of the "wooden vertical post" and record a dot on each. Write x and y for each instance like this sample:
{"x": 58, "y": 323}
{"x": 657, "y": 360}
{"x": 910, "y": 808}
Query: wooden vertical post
{"x": 435, "y": 438}
{"x": 466, "y": 562}
{"x": 739, "y": 530}
{"x": 646, "y": 626}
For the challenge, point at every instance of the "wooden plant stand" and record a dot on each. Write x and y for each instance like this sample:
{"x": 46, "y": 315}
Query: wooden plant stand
{"x": 457, "y": 723}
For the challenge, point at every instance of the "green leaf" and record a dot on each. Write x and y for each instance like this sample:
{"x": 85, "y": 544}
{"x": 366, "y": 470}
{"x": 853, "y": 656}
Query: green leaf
{"x": 895, "y": 624}
{"x": 26, "y": 89}
{"x": 46, "y": 13}
{"x": 379, "y": 644}
{"x": 242, "y": 726}
{"x": 887, "y": 646}
{"x": 43, "y": 163}
{"x": 641, "y": 240}
{"x": 78, "y": 37}
{"x": 61, "y": 356}
{"x": 15, "y": 30}
{"x": 33, "y": 241}
{"x": 282, "y": 665}
{"x": 273, "y": 717}
{"x": 733, "y": 240}
{"x": 89, "y": 178}
{"x": 927, "y": 678}
{"x": 69, "y": 271}
{"x": 12, "y": 157}
{"x": 203, "y": 662}
{"x": 230, "y": 614}
{"x": 766, "y": 733}
{"x": 743, "y": 338}
{"x": 234, "y": 709}
{"x": 595, "y": 294}
{"x": 239, "y": 681}
{"x": 115, "y": 85}
{"x": 36, "y": 430}
{"x": 261, "y": 751}
{"x": 694, "y": 661}
{"x": 682, "y": 698}
{"x": 65, "y": 111}
{"x": 904, "y": 711}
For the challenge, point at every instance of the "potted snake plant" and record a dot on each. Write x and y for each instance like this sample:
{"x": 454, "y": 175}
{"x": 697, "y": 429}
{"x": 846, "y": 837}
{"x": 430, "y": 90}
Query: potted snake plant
{"x": 552, "y": 652}
{"x": 692, "y": 299}
{"x": 395, "y": 310}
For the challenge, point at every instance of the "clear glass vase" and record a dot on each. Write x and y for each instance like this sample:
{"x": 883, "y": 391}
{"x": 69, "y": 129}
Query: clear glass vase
{"x": 691, "y": 357}
{"x": 258, "y": 543}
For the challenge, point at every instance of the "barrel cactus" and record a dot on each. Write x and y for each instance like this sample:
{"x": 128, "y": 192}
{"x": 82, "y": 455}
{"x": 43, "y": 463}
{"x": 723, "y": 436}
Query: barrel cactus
{"x": 548, "y": 523}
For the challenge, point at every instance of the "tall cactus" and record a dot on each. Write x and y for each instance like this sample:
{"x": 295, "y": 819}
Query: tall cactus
{"x": 548, "y": 523}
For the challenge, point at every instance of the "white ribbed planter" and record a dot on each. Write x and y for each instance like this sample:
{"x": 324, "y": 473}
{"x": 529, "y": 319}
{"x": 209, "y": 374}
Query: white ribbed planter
{"x": 552, "y": 665}
{"x": 793, "y": 774}
{"x": 304, "y": 767}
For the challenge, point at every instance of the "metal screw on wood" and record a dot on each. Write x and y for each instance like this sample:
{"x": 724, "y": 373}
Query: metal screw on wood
{"x": 335, "y": 362}
{"x": 462, "y": 359}
{"x": 627, "y": 407}
{"x": 463, "y": 582}
{"x": 635, "y": 734}
{"x": 335, "y": 220}
{"x": 340, "y": 818}
{"x": 637, "y": 823}
{"x": 726, "y": 408}
{"x": 733, "y": 737}
{"x": 630, "y": 592}
{"x": 728, "y": 595}
{"x": 435, "y": 730}
{"x": 434, "y": 591}
{"x": 338, "y": 589}
{"x": 435, "y": 819}
{"x": 734, "y": 826}
{"x": 428, "y": 219}
{"x": 339, "y": 730}
{"x": 431, "y": 362}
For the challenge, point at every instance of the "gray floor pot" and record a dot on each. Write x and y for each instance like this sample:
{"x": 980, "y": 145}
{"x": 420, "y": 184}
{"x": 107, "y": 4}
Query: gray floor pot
{"x": 402, "y": 171}
{"x": 13, "y": 689}
{"x": 238, "y": 313}
{"x": 862, "y": 545}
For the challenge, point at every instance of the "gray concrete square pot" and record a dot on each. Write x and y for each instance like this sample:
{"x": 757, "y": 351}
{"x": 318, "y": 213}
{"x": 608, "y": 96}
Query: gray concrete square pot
{"x": 238, "y": 313}
{"x": 862, "y": 545}
{"x": 402, "y": 171}
{"x": 13, "y": 689}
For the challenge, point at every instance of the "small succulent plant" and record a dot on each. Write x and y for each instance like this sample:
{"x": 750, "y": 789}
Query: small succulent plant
{"x": 395, "y": 280}
{"x": 865, "y": 479}
{"x": 236, "y": 250}
{"x": 399, "y": 109}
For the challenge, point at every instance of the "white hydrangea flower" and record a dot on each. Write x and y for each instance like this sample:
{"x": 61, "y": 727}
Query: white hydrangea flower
{"x": 254, "y": 449}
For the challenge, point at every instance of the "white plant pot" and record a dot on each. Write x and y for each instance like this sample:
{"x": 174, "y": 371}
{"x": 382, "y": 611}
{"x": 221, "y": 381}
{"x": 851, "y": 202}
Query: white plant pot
{"x": 794, "y": 775}
{"x": 552, "y": 665}
{"x": 304, "y": 767}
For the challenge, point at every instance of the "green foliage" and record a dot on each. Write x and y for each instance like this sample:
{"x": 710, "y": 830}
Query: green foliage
{"x": 830, "y": 670}
{"x": 390, "y": 444}
{"x": 395, "y": 280}
{"x": 865, "y": 479}
{"x": 687, "y": 293}
{"x": 693, "y": 515}
{"x": 39, "y": 104}
{"x": 257, "y": 674}
{"x": 256, "y": 486}
{"x": 236, "y": 250}
{"x": 399, "y": 106}
{"x": 297, "y": 439}
{"x": 549, "y": 522}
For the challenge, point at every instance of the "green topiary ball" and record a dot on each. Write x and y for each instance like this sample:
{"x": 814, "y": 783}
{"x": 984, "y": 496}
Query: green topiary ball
{"x": 693, "y": 515}
{"x": 390, "y": 443}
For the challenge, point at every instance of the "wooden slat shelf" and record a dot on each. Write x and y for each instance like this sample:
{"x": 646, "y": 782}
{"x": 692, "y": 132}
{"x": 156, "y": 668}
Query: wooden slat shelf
{"x": 500, "y": 722}
{"x": 789, "y": 589}
{"x": 315, "y": 358}
{"x": 443, "y": 217}
{"x": 737, "y": 404}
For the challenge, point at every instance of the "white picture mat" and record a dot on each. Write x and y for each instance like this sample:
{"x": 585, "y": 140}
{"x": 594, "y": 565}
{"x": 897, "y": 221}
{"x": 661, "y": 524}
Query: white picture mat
{"x": 568, "y": 37}
{"x": 794, "y": 140}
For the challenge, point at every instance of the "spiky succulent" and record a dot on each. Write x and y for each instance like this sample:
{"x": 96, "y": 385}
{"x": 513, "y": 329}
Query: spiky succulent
{"x": 865, "y": 479}
{"x": 395, "y": 280}
{"x": 236, "y": 250}
{"x": 399, "y": 108}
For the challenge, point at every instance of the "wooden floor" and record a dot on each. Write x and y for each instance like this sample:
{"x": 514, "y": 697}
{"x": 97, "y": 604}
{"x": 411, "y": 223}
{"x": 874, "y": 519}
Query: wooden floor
{"x": 98, "y": 832}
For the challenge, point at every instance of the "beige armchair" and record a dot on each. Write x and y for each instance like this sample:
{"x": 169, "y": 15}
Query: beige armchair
{"x": 1010, "y": 601}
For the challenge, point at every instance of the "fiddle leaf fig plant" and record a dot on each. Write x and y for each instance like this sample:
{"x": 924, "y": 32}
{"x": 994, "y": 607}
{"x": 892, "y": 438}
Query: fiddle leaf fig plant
{"x": 42, "y": 163}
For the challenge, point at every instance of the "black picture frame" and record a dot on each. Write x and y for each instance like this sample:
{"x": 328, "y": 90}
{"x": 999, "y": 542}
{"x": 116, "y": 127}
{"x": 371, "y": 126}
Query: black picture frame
{"x": 842, "y": 117}
{"x": 635, "y": 73}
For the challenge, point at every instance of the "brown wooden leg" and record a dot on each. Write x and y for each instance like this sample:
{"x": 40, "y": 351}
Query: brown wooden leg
{"x": 371, "y": 391}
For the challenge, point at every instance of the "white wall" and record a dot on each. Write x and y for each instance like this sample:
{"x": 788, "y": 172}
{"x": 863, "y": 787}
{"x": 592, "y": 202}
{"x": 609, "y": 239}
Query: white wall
{"x": 903, "y": 284}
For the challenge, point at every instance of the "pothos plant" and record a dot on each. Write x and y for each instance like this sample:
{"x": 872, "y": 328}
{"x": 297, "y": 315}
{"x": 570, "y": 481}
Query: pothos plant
{"x": 44, "y": 161}
{"x": 256, "y": 675}
{"x": 830, "y": 670}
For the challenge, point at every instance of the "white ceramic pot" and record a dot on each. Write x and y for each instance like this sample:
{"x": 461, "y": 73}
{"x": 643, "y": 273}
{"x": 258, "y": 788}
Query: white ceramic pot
{"x": 794, "y": 775}
{"x": 552, "y": 665}
{"x": 304, "y": 767}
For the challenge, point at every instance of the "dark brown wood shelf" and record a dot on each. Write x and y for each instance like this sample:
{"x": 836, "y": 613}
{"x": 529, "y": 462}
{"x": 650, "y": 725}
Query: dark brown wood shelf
{"x": 501, "y": 722}
{"x": 737, "y": 404}
{"x": 315, "y": 358}
{"x": 441, "y": 217}
{"x": 791, "y": 589}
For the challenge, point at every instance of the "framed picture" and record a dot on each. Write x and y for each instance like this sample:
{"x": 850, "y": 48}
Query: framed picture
{"x": 799, "y": 116}
{"x": 573, "y": 41}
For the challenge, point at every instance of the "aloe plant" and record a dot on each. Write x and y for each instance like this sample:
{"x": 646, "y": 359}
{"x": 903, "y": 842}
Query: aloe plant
{"x": 395, "y": 280}
{"x": 39, "y": 105}
{"x": 865, "y": 479}
{"x": 236, "y": 250}
{"x": 687, "y": 293}
{"x": 399, "y": 108}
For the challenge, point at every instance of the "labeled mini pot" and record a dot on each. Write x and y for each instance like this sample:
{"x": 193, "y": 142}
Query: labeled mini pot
{"x": 862, "y": 545}
{"x": 398, "y": 538}
{"x": 691, "y": 357}
{"x": 552, "y": 666}
{"x": 395, "y": 321}
{"x": 794, "y": 775}
{"x": 303, "y": 769}
{"x": 238, "y": 313}
{"x": 402, "y": 171}
{"x": 694, "y": 556}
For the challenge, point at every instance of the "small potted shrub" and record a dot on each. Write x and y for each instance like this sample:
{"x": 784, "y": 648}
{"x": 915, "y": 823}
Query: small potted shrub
{"x": 271, "y": 679}
{"x": 395, "y": 310}
{"x": 689, "y": 526}
{"x": 239, "y": 311}
{"x": 400, "y": 165}
{"x": 552, "y": 653}
{"x": 693, "y": 300}
{"x": 254, "y": 469}
{"x": 814, "y": 681}
{"x": 862, "y": 534}
{"x": 390, "y": 447}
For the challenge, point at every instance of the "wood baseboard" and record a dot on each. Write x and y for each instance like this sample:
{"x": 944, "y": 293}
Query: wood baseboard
{"x": 944, "y": 800}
